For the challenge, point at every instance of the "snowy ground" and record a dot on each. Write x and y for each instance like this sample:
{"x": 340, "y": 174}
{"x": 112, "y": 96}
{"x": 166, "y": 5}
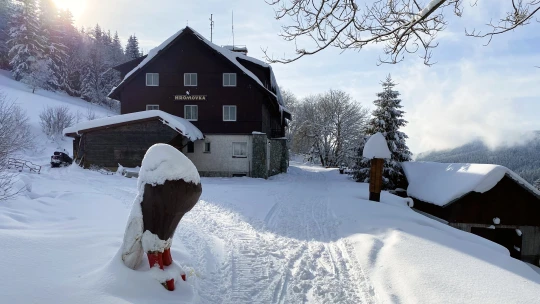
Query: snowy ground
{"x": 306, "y": 236}
{"x": 33, "y": 104}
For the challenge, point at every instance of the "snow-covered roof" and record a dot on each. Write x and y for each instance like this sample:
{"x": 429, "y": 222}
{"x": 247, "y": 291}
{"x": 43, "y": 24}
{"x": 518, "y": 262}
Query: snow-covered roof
{"x": 230, "y": 55}
{"x": 442, "y": 183}
{"x": 376, "y": 147}
{"x": 179, "y": 124}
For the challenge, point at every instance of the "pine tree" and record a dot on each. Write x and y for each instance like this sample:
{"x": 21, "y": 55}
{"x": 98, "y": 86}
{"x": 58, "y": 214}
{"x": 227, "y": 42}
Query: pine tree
{"x": 537, "y": 184}
{"x": 56, "y": 50}
{"x": 6, "y": 8}
{"x": 27, "y": 46}
{"x": 132, "y": 48}
{"x": 387, "y": 119}
{"x": 117, "y": 51}
{"x": 99, "y": 78}
{"x": 73, "y": 41}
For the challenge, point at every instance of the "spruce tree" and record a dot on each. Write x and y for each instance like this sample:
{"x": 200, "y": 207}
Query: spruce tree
{"x": 75, "y": 52}
{"x": 55, "y": 51}
{"x": 387, "y": 119}
{"x": 27, "y": 45}
{"x": 6, "y": 7}
{"x": 117, "y": 50}
{"x": 132, "y": 48}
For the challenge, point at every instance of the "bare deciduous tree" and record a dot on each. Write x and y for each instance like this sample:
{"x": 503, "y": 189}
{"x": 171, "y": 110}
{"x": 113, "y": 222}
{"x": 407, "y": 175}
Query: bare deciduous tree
{"x": 54, "y": 120}
{"x": 403, "y": 26}
{"x": 329, "y": 126}
{"x": 15, "y": 136}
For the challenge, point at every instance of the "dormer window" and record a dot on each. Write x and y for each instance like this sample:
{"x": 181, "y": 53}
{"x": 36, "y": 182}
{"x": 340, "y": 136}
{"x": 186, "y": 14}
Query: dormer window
{"x": 190, "y": 79}
{"x": 229, "y": 79}
{"x": 152, "y": 79}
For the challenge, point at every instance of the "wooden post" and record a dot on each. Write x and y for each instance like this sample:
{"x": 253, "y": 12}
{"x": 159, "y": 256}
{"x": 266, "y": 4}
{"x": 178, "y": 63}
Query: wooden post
{"x": 375, "y": 179}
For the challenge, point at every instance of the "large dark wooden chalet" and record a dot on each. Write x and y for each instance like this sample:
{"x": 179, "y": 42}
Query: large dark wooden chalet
{"x": 487, "y": 200}
{"x": 233, "y": 99}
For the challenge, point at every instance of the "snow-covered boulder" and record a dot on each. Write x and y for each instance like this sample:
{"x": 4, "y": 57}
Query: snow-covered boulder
{"x": 376, "y": 147}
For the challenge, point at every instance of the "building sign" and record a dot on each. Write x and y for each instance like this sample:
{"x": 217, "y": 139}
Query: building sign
{"x": 190, "y": 97}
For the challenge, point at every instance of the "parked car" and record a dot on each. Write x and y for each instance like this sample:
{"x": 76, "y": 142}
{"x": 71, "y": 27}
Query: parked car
{"x": 60, "y": 159}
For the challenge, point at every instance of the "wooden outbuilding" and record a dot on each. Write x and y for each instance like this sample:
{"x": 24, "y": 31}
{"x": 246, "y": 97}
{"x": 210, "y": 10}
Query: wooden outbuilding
{"x": 487, "y": 200}
{"x": 124, "y": 139}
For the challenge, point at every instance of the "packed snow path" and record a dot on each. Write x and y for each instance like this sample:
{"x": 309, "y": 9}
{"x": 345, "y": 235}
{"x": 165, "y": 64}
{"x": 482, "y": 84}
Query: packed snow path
{"x": 306, "y": 236}
{"x": 293, "y": 256}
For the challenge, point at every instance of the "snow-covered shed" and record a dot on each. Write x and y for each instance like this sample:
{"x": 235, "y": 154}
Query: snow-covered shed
{"x": 488, "y": 200}
{"x": 124, "y": 139}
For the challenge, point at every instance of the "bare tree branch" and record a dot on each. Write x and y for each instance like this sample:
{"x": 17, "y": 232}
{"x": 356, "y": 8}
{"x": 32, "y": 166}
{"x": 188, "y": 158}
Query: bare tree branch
{"x": 402, "y": 26}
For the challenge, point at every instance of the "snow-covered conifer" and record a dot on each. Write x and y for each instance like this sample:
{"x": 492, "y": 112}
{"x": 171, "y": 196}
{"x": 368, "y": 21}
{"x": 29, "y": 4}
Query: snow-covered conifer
{"x": 6, "y": 7}
{"x": 118, "y": 55}
{"x": 98, "y": 77}
{"x": 55, "y": 51}
{"x": 75, "y": 52}
{"x": 26, "y": 43}
{"x": 132, "y": 48}
{"x": 387, "y": 119}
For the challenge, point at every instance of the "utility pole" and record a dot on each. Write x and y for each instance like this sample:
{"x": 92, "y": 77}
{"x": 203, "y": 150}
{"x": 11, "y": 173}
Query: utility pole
{"x": 211, "y": 27}
{"x": 232, "y": 15}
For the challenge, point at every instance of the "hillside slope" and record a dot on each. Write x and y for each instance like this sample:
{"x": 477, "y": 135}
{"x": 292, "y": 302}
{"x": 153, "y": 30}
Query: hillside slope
{"x": 33, "y": 104}
{"x": 522, "y": 159}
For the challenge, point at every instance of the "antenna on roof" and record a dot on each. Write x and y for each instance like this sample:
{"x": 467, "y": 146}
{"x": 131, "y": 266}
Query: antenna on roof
{"x": 211, "y": 28}
{"x": 233, "y": 28}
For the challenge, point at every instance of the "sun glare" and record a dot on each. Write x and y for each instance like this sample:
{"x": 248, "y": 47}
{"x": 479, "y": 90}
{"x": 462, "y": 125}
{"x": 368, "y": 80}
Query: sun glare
{"x": 75, "y": 6}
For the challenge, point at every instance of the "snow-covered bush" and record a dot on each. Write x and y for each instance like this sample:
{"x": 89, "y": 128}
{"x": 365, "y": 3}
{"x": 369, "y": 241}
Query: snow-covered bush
{"x": 15, "y": 136}
{"x": 38, "y": 76}
{"x": 54, "y": 120}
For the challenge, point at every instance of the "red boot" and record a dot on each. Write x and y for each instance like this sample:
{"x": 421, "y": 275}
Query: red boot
{"x": 167, "y": 257}
{"x": 154, "y": 258}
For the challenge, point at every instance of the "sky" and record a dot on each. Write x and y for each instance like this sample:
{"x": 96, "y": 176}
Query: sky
{"x": 473, "y": 91}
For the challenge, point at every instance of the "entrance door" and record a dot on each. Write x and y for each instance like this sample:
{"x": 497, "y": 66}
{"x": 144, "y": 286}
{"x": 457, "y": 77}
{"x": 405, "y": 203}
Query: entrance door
{"x": 503, "y": 236}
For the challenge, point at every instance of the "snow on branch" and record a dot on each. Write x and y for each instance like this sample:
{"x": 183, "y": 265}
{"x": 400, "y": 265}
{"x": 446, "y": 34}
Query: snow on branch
{"x": 520, "y": 14}
{"x": 399, "y": 26}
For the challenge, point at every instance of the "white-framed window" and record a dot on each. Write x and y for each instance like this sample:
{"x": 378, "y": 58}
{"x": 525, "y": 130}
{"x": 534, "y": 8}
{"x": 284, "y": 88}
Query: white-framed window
{"x": 191, "y": 112}
{"x": 152, "y": 79}
{"x": 229, "y": 113}
{"x": 152, "y": 107}
{"x": 190, "y": 79}
{"x": 206, "y": 147}
{"x": 229, "y": 79}
{"x": 239, "y": 149}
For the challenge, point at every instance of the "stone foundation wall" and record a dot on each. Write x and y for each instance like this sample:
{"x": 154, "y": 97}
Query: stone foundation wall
{"x": 259, "y": 153}
{"x": 279, "y": 156}
{"x": 270, "y": 157}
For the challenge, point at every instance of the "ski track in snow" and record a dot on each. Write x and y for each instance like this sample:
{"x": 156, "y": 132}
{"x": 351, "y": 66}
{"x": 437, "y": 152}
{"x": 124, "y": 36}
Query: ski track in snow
{"x": 294, "y": 256}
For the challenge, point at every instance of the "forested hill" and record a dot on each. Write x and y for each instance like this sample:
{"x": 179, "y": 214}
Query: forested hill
{"x": 522, "y": 159}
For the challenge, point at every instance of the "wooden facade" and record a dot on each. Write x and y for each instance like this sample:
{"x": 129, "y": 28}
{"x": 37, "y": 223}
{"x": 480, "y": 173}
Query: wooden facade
{"x": 256, "y": 108}
{"x": 123, "y": 144}
{"x": 516, "y": 207}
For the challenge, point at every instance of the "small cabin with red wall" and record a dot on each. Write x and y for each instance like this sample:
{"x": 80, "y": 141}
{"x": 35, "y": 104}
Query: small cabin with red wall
{"x": 487, "y": 200}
